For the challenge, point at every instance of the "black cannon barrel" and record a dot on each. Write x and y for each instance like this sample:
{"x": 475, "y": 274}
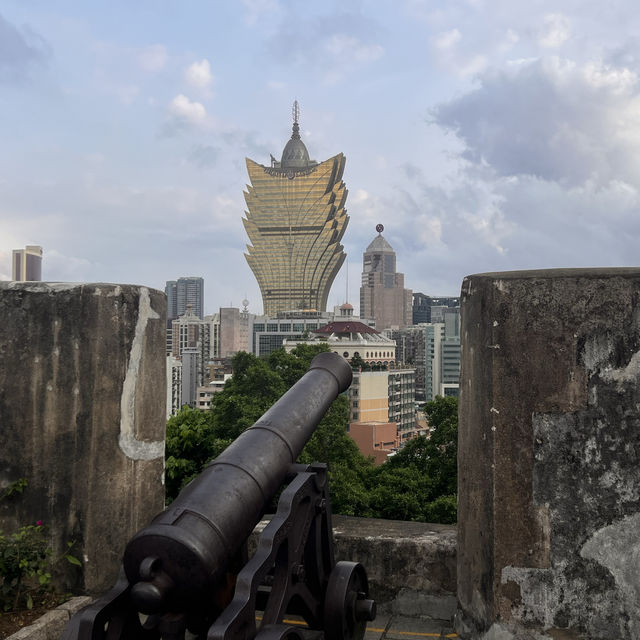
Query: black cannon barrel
{"x": 188, "y": 547}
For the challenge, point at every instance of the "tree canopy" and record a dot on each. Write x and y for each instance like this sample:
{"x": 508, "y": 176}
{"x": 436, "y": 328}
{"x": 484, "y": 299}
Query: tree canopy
{"x": 418, "y": 483}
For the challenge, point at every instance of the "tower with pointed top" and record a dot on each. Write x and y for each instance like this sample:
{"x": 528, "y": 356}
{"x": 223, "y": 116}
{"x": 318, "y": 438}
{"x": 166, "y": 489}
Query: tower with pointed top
{"x": 295, "y": 220}
{"x": 383, "y": 297}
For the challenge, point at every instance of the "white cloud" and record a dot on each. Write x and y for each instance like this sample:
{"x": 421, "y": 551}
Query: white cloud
{"x": 446, "y": 46}
{"x": 430, "y": 231}
{"x": 186, "y": 110}
{"x": 153, "y": 58}
{"x": 199, "y": 75}
{"x": 555, "y": 32}
{"x": 360, "y": 195}
{"x": 447, "y": 39}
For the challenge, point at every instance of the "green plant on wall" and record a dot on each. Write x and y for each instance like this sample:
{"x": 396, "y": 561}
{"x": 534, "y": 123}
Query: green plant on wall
{"x": 26, "y": 561}
{"x": 24, "y": 566}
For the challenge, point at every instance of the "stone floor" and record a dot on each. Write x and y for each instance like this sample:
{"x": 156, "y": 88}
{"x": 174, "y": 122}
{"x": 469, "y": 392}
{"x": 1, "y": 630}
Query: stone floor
{"x": 397, "y": 627}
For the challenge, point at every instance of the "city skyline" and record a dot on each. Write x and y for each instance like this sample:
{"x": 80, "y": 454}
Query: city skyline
{"x": 483, "y": 135}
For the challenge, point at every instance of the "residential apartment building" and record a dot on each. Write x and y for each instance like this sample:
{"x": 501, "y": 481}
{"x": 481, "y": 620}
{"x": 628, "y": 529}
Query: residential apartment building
{"x": 182, "y": 292}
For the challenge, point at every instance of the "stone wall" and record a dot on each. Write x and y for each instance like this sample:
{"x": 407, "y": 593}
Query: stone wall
{"x": 411, "y": 566}
{"x": 549, "y": 446}
{"x": 82, "y": 416}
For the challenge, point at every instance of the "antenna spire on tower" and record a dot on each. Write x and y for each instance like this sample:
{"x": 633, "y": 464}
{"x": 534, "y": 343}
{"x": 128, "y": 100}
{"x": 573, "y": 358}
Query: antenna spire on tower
{"x": 295, "y": 112}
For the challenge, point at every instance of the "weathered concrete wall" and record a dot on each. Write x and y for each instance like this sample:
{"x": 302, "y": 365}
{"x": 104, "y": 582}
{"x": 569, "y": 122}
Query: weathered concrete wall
{"x": 411, "y": 566}
{"x": 549, "y": 480}
{"x": 82, "y": 416}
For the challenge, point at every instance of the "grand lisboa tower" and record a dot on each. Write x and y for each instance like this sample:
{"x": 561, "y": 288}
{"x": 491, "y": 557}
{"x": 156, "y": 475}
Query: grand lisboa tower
{"x": 295, "y": 220}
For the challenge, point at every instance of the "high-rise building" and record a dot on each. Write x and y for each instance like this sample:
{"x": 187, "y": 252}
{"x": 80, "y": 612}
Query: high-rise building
{"x": 434, "y": 350}
{"x": 429, "y": 309}
{"x": 171, "y": 291}
{"x": 295, "y": 220}
{"x": 180, "y": 293}
{"x": 382, "y": 294}
{"x": 27, "y": 264}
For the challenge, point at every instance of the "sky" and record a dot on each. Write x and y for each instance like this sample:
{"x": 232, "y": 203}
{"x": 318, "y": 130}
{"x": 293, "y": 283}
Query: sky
{"x": 485, "y": 135}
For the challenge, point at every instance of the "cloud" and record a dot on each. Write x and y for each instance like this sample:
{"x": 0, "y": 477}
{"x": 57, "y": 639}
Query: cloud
{"x": 57, "y": 266}
{"x": 446, "y": 47}
{"x": 153, "y": 58}
{"x": 548, "y": 175}
{"x": 191, "y": 222}
{"x": 336, "y": 44}
{"x": 20, "y": 50}
{"x": 553, "y": 119}
{"x": 199, "y": 75}
{"x": 185, "y": 110}
{"x": 203, "y": 156}
{"x": 556, "y": 31}
{"x": 446, "y": 40}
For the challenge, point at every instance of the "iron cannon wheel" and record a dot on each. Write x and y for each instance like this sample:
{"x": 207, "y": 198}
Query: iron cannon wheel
{"x": 346, "y": 607}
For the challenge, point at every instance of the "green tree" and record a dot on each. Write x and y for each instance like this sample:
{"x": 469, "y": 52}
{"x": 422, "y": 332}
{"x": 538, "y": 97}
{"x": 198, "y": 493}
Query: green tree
{"x": 191, "y": 441}
{"x": 292, "y": 366}
{"x": 420, "y": 481}
{"x": 252, "y": 389}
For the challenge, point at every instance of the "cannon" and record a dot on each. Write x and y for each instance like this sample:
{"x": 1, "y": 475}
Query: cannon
{"x": 188, "y": 574}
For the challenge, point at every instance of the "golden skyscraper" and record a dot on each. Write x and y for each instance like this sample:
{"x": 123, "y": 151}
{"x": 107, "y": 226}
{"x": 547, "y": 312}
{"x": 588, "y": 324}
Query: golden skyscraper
{"x": 295, "y": 221}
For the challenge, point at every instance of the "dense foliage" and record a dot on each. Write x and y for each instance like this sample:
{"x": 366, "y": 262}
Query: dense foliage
{"x": 418, "y": 483}
{"x": 26, "y": 561}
